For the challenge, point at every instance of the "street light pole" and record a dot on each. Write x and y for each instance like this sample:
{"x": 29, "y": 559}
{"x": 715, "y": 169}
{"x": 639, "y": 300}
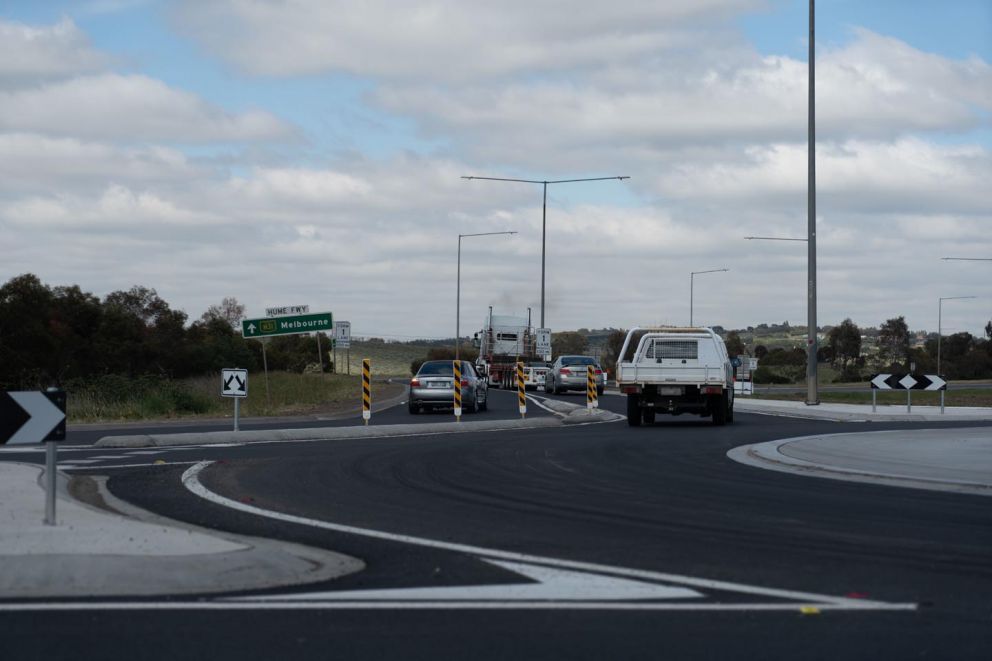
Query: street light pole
{"x": 692, "y": 275}
{"x": 812, "y": 393}
{"x": 940, "y": 329}
{"x": 458, "y": 289}
{"x": 544, "y": 214}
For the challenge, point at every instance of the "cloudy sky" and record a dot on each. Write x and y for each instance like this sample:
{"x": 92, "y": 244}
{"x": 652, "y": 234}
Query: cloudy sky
{"x": 311, "y": 152}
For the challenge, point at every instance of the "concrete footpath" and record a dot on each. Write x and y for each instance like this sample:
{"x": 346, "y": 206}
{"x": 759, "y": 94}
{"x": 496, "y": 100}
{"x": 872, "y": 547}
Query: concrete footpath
{"x": 861, "y": 413}
{"x": 106, "y": 547}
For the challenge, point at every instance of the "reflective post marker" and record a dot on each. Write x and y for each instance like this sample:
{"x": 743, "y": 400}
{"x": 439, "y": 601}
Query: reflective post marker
{"x": 51, "y": 468}
{"x": 366, "y": 389}
{"x": 457, "y": 366}
{"x": 521, "y": 390}
{"x": 592, "y": 397}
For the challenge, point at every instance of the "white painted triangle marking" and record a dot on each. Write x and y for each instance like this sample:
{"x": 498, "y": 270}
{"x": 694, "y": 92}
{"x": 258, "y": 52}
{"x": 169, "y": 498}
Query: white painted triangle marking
{"x": 44, "y": 416}
{"x": 551, "y": 585}
{"x": 907, "y": 382}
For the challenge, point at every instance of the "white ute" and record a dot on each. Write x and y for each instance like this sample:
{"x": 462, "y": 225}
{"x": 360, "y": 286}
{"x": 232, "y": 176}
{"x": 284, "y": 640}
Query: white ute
{"x": 676, "y": 370}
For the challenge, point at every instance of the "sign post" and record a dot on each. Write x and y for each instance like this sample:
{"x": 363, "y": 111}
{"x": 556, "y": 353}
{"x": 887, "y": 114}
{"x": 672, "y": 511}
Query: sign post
{"x": 366, "y": 390}
{"x": 33, "y": 417}
{"x": 234, "y": 383}
{"x": 457, "y": 388}
{"x": 342, "y": 339}
{"x": 592, "y": 396}
{"x": 521, "y": 390}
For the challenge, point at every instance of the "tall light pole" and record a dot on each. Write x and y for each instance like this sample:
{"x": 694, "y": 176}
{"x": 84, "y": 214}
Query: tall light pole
{"x": 544, "y": 213}
{"x": 458, "y": 295}
{"x": 812, "y": 392}
{"x": 940, "y": 329}
{"x": 692, "y": 275}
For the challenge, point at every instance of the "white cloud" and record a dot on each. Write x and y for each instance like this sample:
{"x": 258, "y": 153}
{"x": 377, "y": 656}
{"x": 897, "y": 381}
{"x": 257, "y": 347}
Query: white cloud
{"x": 28, "y": 52}
{"x": 443, "y": 39}
{"x": 31, "y": 163}
{"x": 130, "y": 108}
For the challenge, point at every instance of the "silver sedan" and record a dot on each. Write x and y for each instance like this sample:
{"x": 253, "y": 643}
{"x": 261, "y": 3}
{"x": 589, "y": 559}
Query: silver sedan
{"x": 569, "y": 373}
{"x": 433, "y": 387}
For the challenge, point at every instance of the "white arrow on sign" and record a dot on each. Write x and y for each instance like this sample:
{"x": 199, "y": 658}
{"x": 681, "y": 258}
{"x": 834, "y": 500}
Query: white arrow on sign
{"x": 251, "y": 328}
{"x": 551, "y": 585}
{"x": 936, "y": 383}
{"x": 879, "y": 382}
{"x": 44, "y": 416}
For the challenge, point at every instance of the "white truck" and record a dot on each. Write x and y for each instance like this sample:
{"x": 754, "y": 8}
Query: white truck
{"x": 676, "y": 370}
{"x": 502, "y": 342}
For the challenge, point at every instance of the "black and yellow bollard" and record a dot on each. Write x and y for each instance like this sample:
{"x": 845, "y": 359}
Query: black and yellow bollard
{"x": 521, "y": 390}
{"x": 592, "y": 394}
{"x": 457, "y": 365}
{"x": 367, "y": 390}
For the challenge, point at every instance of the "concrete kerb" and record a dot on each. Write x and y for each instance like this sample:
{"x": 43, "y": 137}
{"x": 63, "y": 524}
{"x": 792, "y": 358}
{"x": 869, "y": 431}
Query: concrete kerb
{"x": 321, "y": 433}
{"x": 121, "y": 550}
{"x": 860, "y": 412}
{"x": 785, "y": 455}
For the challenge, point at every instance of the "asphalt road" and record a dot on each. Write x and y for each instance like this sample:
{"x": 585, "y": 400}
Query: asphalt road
{"x": 658, "y": 504}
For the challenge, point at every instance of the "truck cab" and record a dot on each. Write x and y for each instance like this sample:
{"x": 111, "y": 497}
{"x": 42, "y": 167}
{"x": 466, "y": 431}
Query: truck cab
{"x": 676, "y": 370}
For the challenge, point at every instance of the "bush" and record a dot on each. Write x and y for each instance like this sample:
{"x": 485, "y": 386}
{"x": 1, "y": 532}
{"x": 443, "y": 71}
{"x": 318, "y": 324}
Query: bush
{"x": 765, "y": 375}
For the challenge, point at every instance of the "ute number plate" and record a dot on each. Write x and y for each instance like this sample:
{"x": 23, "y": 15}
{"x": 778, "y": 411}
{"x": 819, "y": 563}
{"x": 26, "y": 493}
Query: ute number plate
{"x": 670, "y": 390}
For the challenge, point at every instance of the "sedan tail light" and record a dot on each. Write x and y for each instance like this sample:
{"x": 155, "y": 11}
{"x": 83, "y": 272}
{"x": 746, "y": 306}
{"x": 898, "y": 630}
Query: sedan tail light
{"x": 415, "y": 383}
{"x": 565, "y": 370}
{"x": 599, "y": 371}
{"x": 464, "y": 382}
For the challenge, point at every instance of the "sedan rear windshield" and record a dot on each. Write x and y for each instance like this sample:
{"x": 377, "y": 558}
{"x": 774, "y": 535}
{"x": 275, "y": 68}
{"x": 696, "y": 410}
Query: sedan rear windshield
{"x": 443, "y": 368}
{"x": 579, "y": 360}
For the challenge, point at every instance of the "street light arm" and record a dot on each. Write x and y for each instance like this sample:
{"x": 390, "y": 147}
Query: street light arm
{"x": 542, "y": 181}
{"x": 967, "y": 259}
{"x": 773, "y": 238}
{"x": 462, "y": 236}
{"x": 710, "y": 271}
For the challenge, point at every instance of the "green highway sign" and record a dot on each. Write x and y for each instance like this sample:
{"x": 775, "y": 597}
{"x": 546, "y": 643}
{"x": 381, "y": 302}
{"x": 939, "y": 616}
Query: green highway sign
{"x": 294, "y": 325}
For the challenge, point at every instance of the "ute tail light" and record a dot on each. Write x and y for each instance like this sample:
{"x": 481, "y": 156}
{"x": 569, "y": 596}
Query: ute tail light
{"x": 632, "y": 390}
{"x": 415, "y": 383}
{"x": 713, "y": 390}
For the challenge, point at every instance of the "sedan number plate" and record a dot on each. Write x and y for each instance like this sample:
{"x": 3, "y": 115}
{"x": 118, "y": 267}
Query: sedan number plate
{"x": 671, "y": 390}
{"x": 438, "y": 384}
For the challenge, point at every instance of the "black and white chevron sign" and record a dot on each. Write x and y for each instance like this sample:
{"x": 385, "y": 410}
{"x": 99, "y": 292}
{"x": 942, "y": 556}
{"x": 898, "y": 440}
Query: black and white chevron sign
{"x": 908, "y": 382}
{"x": 32, "y": 417}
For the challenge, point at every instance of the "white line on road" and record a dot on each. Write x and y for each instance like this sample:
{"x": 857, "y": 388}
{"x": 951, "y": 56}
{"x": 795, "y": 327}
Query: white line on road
{"x": 192, "y": 482}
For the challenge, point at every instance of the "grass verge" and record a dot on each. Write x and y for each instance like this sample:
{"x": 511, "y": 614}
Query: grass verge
{"x": 118, "y": 399}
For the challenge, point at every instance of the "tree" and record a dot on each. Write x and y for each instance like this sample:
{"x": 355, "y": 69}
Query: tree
{"x": 735, "y": 346}
{"x": 229, "y": 310}
{"x": 845, "y": 342}
{"x": 893, "y": 340}
{"x": 760, "y": 351}
{"x": 569, "y": 342}
{"x": 611, "y": 353}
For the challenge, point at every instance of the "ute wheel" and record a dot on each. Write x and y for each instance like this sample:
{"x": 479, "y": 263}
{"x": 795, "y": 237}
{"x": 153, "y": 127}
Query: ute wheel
{"x": 484, "y": 406}
{"x": 647, "y": 415}
{"x": 633, "y": 411}
{"x": 599, "y": 390}
{"x": 730, "y": 411}
{"x": 720, "y": 408}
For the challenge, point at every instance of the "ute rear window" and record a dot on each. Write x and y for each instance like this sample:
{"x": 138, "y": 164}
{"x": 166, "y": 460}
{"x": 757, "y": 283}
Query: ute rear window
{"x": 673, "y": 350}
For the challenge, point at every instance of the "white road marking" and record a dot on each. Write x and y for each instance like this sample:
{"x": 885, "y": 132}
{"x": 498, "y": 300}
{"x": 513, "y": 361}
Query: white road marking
{"x": 430, "y": 605}
{"x": 551, "y": 585}
{"x": 164, "y": 463}
{"x": 192, "y": 482}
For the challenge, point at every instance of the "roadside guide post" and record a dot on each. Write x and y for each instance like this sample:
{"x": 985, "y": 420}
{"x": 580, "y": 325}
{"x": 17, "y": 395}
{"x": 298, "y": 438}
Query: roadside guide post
{"x": 521, "y": 390}
{"x": 366, "y": 389}
{"x": 234, "y": 384}
{"x": 592, "y": 397}
{"x": 32, "y": 417}
{"x": 457, "y": 367}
